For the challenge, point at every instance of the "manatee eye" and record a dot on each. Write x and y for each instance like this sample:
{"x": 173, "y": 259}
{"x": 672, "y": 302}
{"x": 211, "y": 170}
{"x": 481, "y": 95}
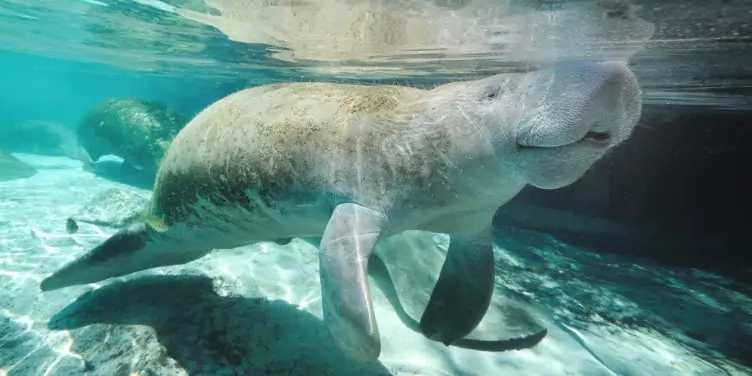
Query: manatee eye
{"x": 491, "y": 94}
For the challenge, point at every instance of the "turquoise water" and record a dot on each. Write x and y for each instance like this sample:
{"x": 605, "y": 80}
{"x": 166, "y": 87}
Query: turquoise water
{"x": 95, "y": 91}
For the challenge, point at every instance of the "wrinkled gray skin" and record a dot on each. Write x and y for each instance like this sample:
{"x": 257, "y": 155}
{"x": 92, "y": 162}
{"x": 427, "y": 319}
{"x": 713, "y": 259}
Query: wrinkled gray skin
{"x": 344, "y": 166}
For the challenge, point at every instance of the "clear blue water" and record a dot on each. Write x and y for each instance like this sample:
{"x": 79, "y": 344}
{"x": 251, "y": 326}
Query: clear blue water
{"x": 256, "y": 310}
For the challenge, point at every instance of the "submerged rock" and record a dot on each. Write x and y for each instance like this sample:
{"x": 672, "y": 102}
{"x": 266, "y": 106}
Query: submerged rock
{"x": 114, "y": 208}
{"x": 12, "y": 168}
{"x": 139, "y": 131}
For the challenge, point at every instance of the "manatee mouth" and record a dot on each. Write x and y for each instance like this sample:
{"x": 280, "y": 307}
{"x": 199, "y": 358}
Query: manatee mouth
{"x": 599, "y": 137}
{"x": 591, "y": 138}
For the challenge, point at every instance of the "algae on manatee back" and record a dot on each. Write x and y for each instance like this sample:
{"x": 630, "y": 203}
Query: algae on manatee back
{"x": 12, "y": 168}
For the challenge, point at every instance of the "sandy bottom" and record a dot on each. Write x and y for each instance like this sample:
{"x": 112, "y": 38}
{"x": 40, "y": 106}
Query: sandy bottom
{"x": 256, "y": 310}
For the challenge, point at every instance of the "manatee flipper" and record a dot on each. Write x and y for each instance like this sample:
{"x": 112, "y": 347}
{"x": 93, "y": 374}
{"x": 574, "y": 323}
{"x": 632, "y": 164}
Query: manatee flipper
{"x": 406, "y": 267}
{"x": 510, "y": 324}
{"x": 463, "y": 291}
{"x": 345, "y": 247}
{"x": 130, "y": 250}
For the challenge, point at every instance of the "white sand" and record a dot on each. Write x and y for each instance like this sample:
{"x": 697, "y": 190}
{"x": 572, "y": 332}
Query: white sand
{"x": 256, "y": 310}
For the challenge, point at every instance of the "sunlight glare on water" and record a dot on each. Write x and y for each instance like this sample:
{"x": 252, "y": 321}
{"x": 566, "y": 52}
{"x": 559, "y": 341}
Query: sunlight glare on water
{"x": 393, "y": 38}
{"x": 423, "y": 40}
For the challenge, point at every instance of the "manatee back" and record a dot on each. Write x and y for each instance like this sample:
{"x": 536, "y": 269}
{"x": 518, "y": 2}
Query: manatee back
{"x": 267, "y": 145}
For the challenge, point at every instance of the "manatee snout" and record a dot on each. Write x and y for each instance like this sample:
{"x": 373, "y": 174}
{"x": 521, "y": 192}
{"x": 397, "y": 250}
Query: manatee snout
{"x": 584, "y": 110}
{"x": 611, "y": 102}
{"x": 595, "y": 102}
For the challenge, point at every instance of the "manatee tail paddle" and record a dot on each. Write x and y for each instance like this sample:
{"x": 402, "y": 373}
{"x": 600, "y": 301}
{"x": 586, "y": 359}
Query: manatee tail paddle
{"x": 132, "y": 249}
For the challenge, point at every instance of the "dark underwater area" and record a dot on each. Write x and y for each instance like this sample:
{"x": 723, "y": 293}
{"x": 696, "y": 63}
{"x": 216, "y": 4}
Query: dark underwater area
{"x": 681, "y": 191}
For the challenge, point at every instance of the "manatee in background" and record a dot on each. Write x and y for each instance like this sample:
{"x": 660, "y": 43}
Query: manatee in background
{"x": 346, "y": 166}
{"x": 137, "y": 130}
{"x": 12, "y": 168}
{"x": 48, "y": 137}
{"x": 33, "y": 137}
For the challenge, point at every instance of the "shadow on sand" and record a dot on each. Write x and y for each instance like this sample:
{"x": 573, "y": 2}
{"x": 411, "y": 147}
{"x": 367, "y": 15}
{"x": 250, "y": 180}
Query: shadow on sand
{"x": 208, "y": 334}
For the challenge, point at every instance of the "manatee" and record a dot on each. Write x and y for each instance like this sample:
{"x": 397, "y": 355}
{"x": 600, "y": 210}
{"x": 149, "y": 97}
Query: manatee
{"x": 32, "y": 136}
{"x": 344, "y": 166}
{"x": 12, "y": 168}
{"x": 137, "y": 130}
